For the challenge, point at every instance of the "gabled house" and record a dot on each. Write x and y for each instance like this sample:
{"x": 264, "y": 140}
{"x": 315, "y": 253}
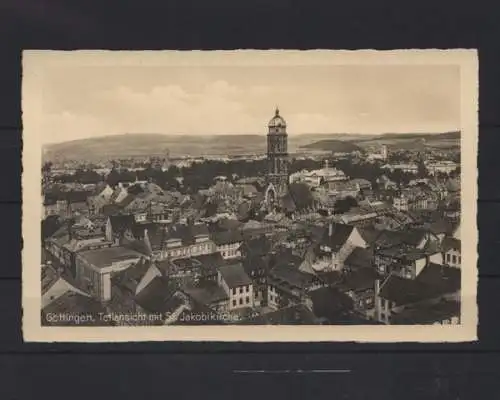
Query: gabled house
{"x": 288, "y": 284}
{"x": 228, "y": 243}
{"x": 330, "y": 304}
{"x": 237, "y": 285}
{"x": 452, "y": 252}
{"x": 100, "y": 198}
{"x": 207, "y": 296}
{"x": 434, "y": 284}
{"x": 119, "y": 227}
{"x": 337, "y": 243}
{"x": 119, "y": 193}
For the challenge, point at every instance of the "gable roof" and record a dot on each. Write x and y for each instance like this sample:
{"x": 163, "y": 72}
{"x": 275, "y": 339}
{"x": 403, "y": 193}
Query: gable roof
{"x": 358, "y": 280}
{"x": 226, "y": 237}
{"x": 434, "y": 281}
{"x": 411, "y": 237}
{"x": 121, "y": 223}
{"x": 330, "y": 303}
{"x": 369, "y": 235}
{"x": 288, "y": 277}
{"x": 427, "y": 314}
{"x": 131, "y": 277}
{"x": 234, "y": 275}
{"x": 360, "y": 258}
{"x": 450, "y": 243}
{"x": 209, "y": 263}
{"x": 206, "y": 293}
{"x": 156, "y": 295}
{"x": 339, "y": 235}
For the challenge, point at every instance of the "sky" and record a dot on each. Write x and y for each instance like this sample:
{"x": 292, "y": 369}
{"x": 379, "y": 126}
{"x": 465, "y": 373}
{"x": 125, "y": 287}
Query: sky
{"x": 91, "y": 101}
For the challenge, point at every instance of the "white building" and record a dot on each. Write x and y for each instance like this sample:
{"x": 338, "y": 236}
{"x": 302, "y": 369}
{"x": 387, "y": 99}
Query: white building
{"x": 408, "y": 168}
{"x": 319, "y": 176}
{"x": 443, "y": 167}
{"x": 237, "y": 285}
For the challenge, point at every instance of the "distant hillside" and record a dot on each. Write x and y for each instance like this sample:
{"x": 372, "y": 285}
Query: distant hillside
{"x": 337, "y": 146}
{"x": 403, "y": 141}
{"x": 145, "y": 145}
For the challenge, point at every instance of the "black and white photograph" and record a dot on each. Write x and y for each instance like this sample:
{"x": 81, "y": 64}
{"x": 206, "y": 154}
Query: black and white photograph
{"x": 250, "y": 195}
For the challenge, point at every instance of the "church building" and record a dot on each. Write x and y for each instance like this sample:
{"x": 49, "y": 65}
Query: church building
{"x": 277, "y": 159}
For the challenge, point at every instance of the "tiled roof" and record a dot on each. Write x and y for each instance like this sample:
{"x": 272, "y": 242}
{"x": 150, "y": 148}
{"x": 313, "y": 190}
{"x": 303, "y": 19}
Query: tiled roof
{"x": 359, "y": 280}
{"x": 156, "y": 295}
{"x": 234, "y": 275}
{"x": 433, "y": 282}
{"x": 131, "y": 277}
{"x": 209, "y": 263}
{"x": 411, "y": 237}
{"x": 227, "y": 237}
{"x": 126, "y": 201}
{"x": 108, "y": 255}
{"x": 330, "y": 303}
{"x": 427, "y": 314}
{"x": 360, "y": 258}
{"x": 451, "y": 243}
{"x": 291, "y": 277}
{"x": 370, "y": 235}
{"x": 206, "y": 294}
{"x": 339, "y": 236}
{"x": 121, "y": 223}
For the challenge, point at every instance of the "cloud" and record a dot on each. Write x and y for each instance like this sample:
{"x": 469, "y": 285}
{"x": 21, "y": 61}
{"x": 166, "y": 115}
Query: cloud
{"x": 243, "y": 102}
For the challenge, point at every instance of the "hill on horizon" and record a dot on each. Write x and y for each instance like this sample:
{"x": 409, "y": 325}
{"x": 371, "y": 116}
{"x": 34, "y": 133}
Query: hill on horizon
{"x": 143, "y": 145}
{"x": 334, "y": 145}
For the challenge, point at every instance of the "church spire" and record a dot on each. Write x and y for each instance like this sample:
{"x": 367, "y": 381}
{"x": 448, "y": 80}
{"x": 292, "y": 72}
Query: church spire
{"x": 277, "y": 111}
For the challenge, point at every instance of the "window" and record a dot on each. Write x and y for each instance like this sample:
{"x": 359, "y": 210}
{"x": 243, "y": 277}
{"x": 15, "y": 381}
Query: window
{"x": 454, "y": 259}
{"x": 459, "y": 259}
{"x": 247, "y": 288}
{"x": 241, "y": 301}
{"x": 248, "y": 299}
{"x": 234, "y": 303}
{"x": 241, "y": 290}
{"x": 234, "y": 290}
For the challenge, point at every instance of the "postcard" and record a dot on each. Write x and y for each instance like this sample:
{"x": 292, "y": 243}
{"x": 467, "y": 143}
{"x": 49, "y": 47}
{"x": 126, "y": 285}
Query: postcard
{"x": 255, "y": 196}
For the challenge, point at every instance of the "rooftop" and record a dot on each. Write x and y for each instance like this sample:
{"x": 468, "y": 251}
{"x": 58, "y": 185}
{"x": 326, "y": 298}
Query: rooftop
{"x": 206, "y": 293}
{"x": 234, "y": 275}
{"x": 107, "y": 256}
{"x": 156, "y": 296}
{"x": 427, "y": 314}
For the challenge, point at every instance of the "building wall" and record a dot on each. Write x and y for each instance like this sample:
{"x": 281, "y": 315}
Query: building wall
{"x": 436, "y": 258}
{"x": 272, "y": 297}
{"x": 230, "y": 250}
{"x": 453, "y": 258}
{"x": 241, "y": 297}
{"x": 419, "y": 266}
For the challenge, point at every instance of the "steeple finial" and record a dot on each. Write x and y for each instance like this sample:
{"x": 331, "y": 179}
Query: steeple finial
{"x": 277, "y": 111}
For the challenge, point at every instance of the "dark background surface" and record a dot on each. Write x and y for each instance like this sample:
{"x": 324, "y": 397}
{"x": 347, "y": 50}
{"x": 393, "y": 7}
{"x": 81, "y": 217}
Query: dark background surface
{"x": 141, "y": 371}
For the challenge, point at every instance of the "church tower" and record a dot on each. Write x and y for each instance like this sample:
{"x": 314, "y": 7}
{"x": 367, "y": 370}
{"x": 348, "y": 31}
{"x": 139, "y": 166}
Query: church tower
{"x": 277, "y": 157}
